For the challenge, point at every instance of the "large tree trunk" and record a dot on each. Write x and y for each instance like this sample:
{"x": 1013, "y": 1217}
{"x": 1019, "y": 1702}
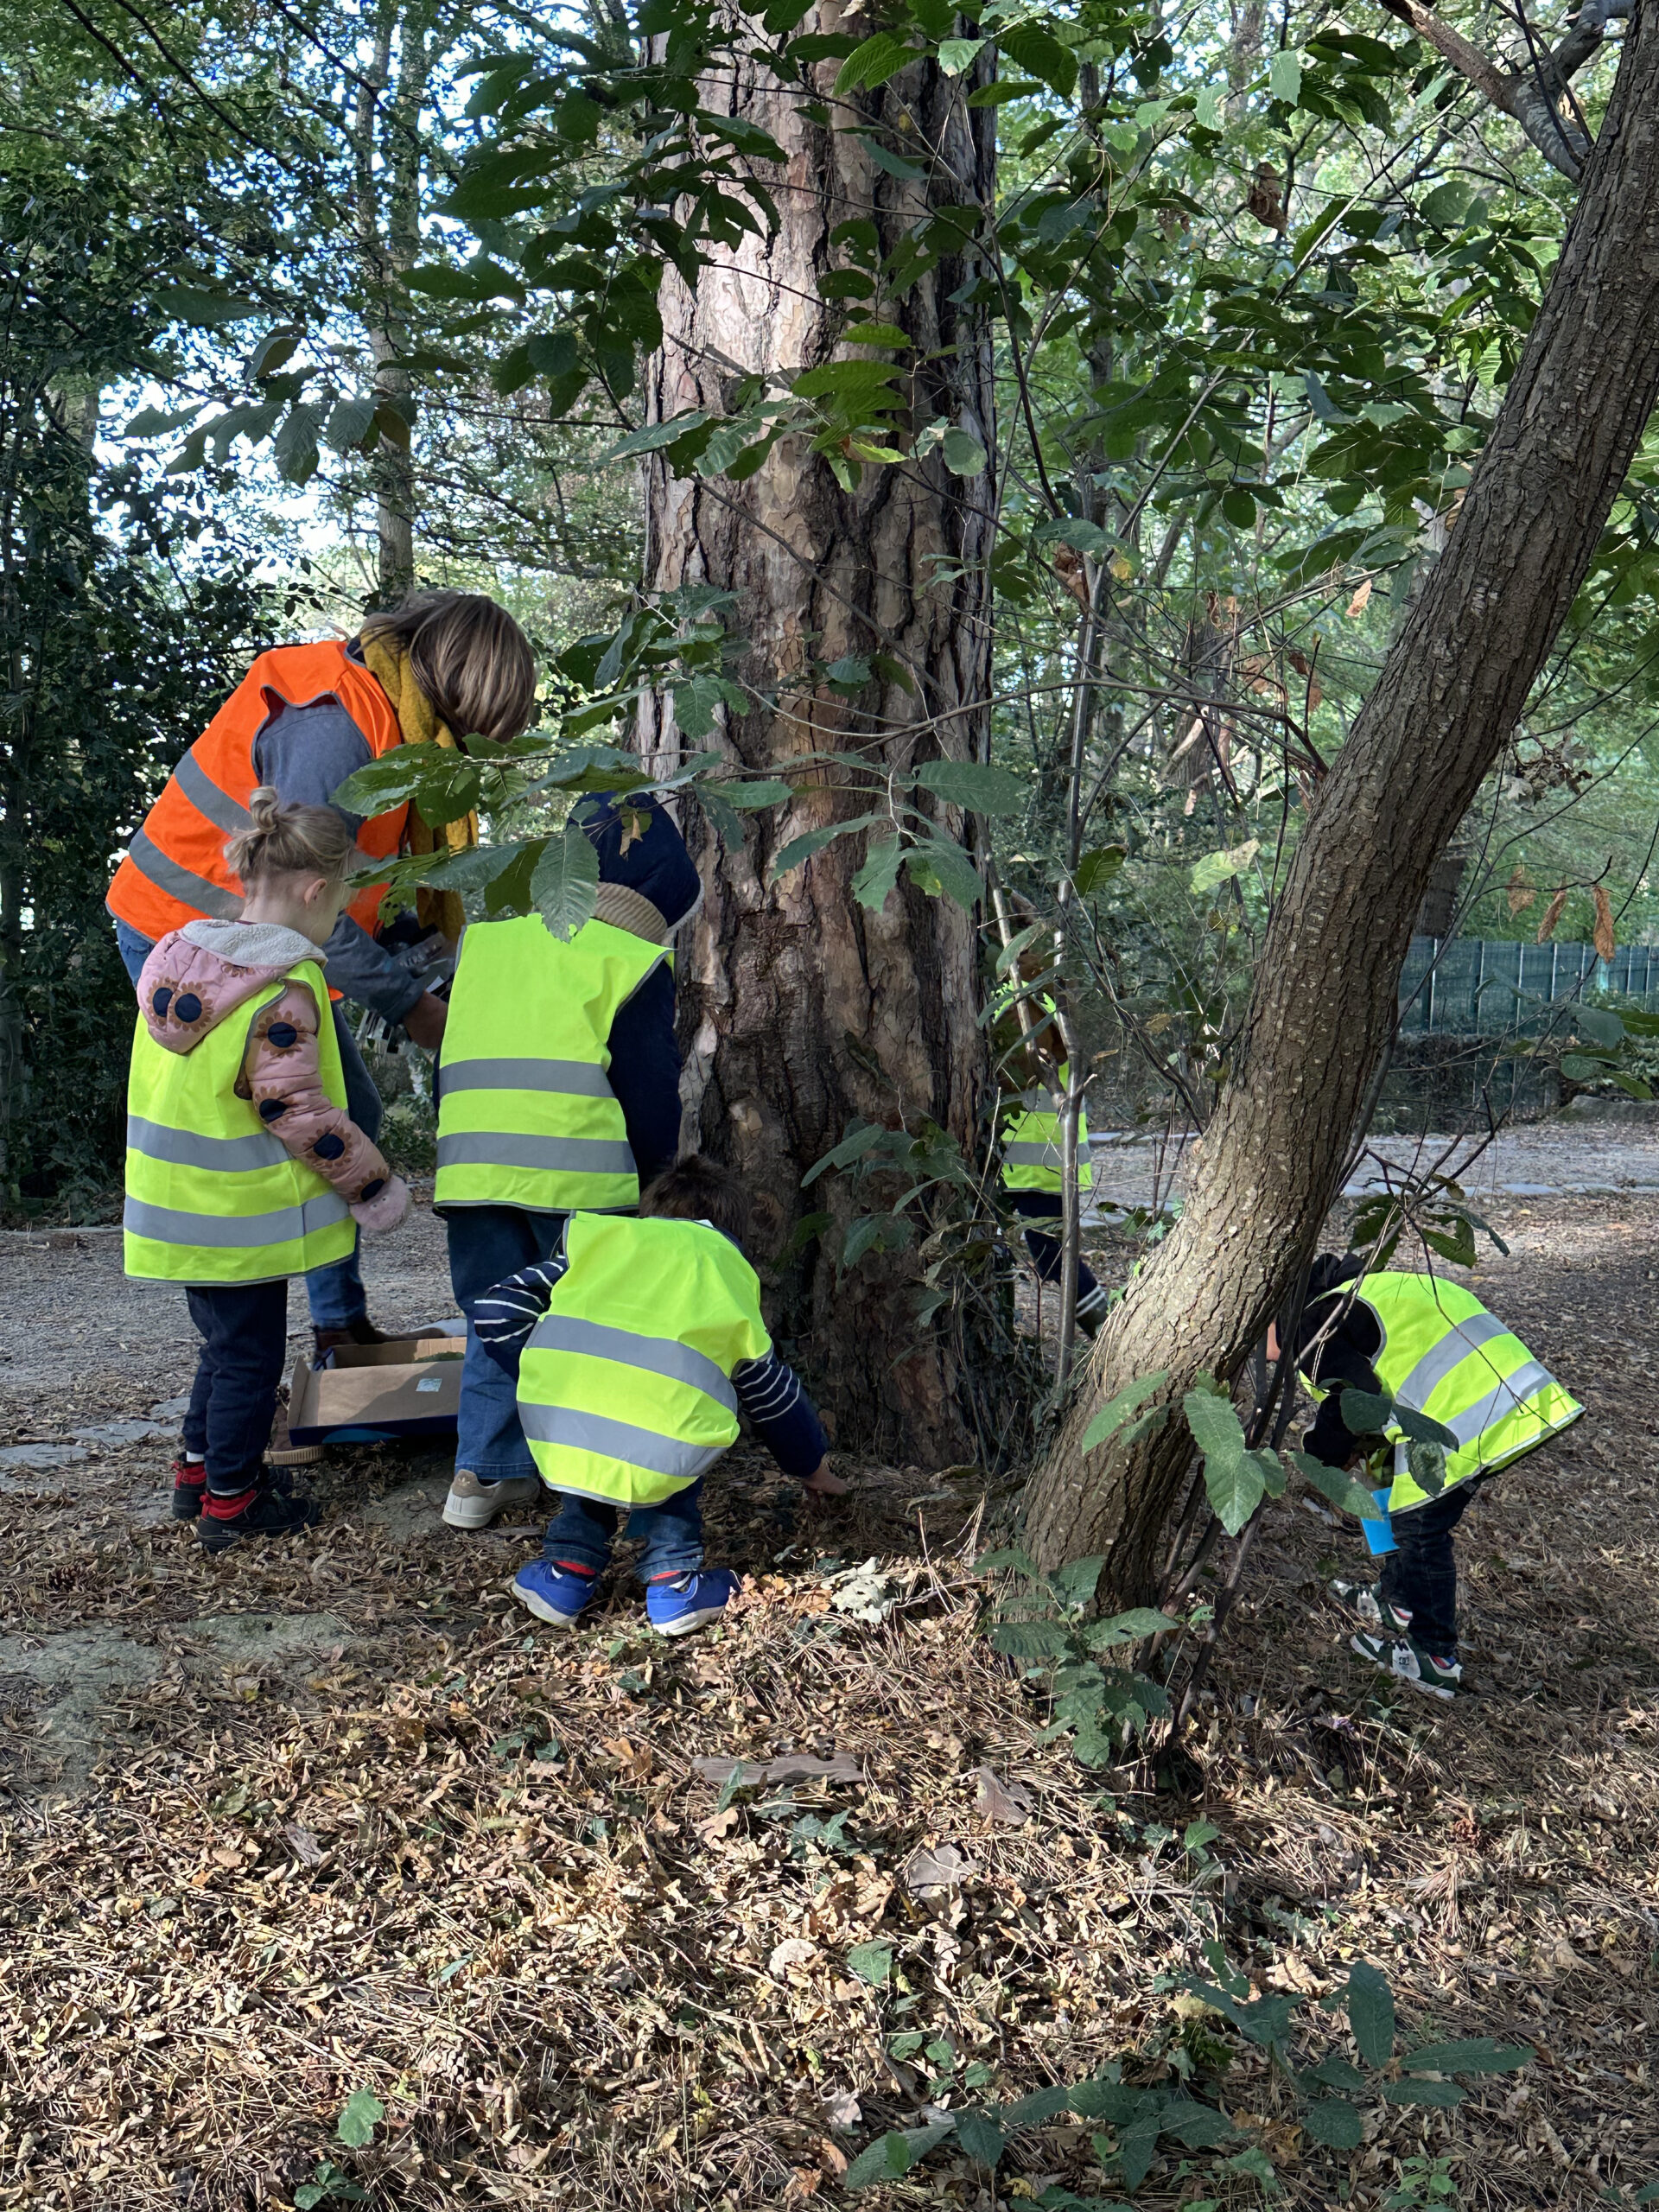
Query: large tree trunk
{"x": 801, "y": 1008}
{"x": 1451, "y": 690}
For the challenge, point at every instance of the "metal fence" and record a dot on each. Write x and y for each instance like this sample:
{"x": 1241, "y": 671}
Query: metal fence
{"x": 1476, "y": 987}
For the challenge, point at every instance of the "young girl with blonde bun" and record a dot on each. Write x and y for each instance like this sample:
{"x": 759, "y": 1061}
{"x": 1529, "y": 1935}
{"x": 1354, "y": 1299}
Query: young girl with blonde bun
{"x": 244, "y": 1166}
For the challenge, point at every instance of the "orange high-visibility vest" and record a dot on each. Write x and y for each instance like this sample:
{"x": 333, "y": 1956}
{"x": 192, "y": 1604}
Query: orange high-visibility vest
{"x": 174, "y": 871}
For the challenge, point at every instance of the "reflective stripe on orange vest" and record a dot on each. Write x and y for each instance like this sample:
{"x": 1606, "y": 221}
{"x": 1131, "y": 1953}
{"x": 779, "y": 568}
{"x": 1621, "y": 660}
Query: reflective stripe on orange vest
{"x": 174, "y": 871}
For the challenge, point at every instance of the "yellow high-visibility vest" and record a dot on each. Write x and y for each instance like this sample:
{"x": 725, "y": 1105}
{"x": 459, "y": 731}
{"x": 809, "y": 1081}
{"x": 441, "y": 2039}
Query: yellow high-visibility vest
{"x": 1032, "y": 1125}
{"x": 213, "y": 1195}
{"x": 526, "y": 1114}
{"x": 1444, "y": 1354}
{"x": 624, "y": 1389}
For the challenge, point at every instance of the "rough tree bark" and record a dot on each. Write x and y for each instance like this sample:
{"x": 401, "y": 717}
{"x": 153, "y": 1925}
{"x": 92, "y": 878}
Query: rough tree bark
{"x": 387, "y": 162}
{"x": 801, "y": 1008}
{"x": 1450, "y": 692}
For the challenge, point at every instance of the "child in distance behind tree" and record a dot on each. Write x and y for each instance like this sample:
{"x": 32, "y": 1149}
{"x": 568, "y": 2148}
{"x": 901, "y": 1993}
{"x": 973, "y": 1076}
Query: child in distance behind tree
{"x": 641, "y": 1341}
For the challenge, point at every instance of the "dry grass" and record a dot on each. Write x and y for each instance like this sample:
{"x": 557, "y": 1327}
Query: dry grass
{"x": 313, "y": 1849}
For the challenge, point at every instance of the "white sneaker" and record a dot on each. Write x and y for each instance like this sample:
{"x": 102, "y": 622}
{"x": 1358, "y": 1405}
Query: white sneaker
{"x": 473, "y": 1504}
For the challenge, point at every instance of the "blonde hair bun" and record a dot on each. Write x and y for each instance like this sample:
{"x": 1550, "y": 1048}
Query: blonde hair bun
{"x": 286, "y": 840}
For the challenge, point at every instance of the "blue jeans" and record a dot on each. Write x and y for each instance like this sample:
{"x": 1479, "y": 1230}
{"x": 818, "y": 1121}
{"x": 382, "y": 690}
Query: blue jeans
{"x": 336, "y": 1292}
{"x": 582, "y": 1532}
{"x": 244, "y": 1330}
{"x": 485, "y": 1244}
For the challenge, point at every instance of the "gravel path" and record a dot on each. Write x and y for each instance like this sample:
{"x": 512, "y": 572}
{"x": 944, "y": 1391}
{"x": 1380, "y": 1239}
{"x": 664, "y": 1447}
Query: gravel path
{"x": 1543, "y": 1160}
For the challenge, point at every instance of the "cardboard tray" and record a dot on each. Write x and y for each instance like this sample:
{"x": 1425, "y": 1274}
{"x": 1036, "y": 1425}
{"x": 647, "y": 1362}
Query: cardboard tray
{"x": 401, "y": 1389}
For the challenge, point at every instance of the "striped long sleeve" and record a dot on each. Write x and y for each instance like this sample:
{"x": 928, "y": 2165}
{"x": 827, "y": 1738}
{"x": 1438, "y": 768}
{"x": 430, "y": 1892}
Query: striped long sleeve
{"x": 780, "y": 1413}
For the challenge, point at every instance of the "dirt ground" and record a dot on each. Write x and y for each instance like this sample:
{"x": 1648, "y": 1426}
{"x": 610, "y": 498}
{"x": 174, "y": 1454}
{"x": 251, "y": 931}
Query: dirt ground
{"x": 311, "y": 1821}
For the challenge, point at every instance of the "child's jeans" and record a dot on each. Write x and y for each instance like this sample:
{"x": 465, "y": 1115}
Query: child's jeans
{"x": 486, "y": 1244}
{"x": 244, "y": 1327}
{"x": 582, "y": 1532}
{"x": 1422, "y": 1575}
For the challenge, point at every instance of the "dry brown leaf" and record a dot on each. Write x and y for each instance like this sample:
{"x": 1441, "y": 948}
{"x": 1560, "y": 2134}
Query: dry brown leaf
{"x": 1521, "y": 892}
{"x": 1360, "y": 599}
{"x": 790, "y": 1955}
{"x": 1551, "y": 915}
{"x": 1607, "y": 942}
{"x": 1005, "y": 1802}
{"x": 1267, "y": 201}
{"x": 832, "y": 2161}
{"x": 1304, "y": 667}
{"x": 306, "y": 1848}
{"x": 943, "y": 1867}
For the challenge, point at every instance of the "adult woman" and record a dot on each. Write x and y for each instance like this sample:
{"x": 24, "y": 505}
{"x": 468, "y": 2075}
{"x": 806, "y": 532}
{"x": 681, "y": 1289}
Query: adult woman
{"x": 447, "y": 666}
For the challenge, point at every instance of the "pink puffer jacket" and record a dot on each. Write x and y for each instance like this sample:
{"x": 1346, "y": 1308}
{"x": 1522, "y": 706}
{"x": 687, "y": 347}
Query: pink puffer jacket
{"x": 197, "y": 977}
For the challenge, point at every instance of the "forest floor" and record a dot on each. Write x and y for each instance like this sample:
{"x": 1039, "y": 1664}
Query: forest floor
{"x": 336, "y": 1817}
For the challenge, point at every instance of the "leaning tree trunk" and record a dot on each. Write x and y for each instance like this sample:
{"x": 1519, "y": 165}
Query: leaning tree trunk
{"x": 801, "y": 1008}
{"x": 1450, "y": 690}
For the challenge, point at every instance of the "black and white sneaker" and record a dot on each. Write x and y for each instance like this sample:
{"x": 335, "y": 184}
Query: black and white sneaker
{"x": 1407, "y": 1661}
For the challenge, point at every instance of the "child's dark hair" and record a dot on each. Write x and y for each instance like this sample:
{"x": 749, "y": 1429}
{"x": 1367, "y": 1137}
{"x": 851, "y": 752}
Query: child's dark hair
{"x": 699, "y": 1189}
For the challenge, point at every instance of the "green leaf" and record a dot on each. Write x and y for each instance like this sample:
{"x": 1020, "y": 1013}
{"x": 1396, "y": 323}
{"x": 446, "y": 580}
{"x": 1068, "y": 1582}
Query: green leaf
{"x": 940, "y": 867}
{"x": 1480, "y": 2055}
{"x": 1214, "y": 1424}
{"x": 1199, "y": 2127}
{"x": 1040, "y": 54}
{"x": 880, "y": 872}
{"x": 152, "y": 422}
{"x": 1030, "y": 1640}
{"x": 814, "y": 841}
{"x": 1207, "y": 114}
{"x": 349, "y": 424}
{"x": 1234, "y": 1488}
{"x": 894, "y": 2154}
{"x": 1256, "y": 2164}
{"x": 873, "y": 61}
{"x": 749, "y": 798}
{"x": 1076, "y": 1581}
{"x": 956, "y": 54}
{"x": 655, "y": 435}
{"x": 1133, "y": 1627}
{"x": 964, "y": 453}
{"x": 1137, "y": 2146}
{"x": 977, "y": 2133}
{"x": 204, "y": 310}
{"x": 1336, "y": 1484}
{"x": 1371, "y": 2014}
{"x": 1010, "y": 1557}
{"x": 871, "y": 1962}
{"x": 1285, "y": 77}
{"x": 976, "y": 785}
{"x": 1365, "y": 1414}
{"x": 1033, "y": 2111}
{"x": 359, "y": 2117}
{"x": 1096, "y": 868}
{"x": 295, "y": 448}
{"x": 565, "y": 884}
{"x": 1113, "y": 1414}
{"x": 1440, "y": 2094}
{"x": 1335, "y": 2123}
{"x": 1216, "y": 868}
{"x": 885, "y": 2159}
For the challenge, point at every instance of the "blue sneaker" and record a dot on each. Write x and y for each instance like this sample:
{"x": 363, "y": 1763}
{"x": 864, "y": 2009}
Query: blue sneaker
{"x": 554, "y": 1594}
{"x": 680, "y": 1603}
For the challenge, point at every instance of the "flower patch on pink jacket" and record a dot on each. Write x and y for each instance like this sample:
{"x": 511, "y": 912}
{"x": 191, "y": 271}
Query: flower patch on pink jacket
{"x": 201, "y": 976}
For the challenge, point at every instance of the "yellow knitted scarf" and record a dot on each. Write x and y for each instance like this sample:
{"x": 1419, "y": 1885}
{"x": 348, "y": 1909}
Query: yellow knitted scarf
{"x": 417, "y": 718}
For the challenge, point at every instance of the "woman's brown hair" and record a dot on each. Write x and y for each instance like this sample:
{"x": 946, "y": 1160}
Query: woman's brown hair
{"x": 286, "y": 840}
{"x": 469, "y": 657}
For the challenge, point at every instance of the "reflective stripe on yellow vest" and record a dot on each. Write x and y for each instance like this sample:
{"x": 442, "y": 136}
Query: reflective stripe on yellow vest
{"x": 1033, "y": 1125}
{"x": 526, "y": 1114}
{"x": 624, "y": 1389}
{"x": 1444, "y": 1354}
{"x": 212, "y": 1197}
